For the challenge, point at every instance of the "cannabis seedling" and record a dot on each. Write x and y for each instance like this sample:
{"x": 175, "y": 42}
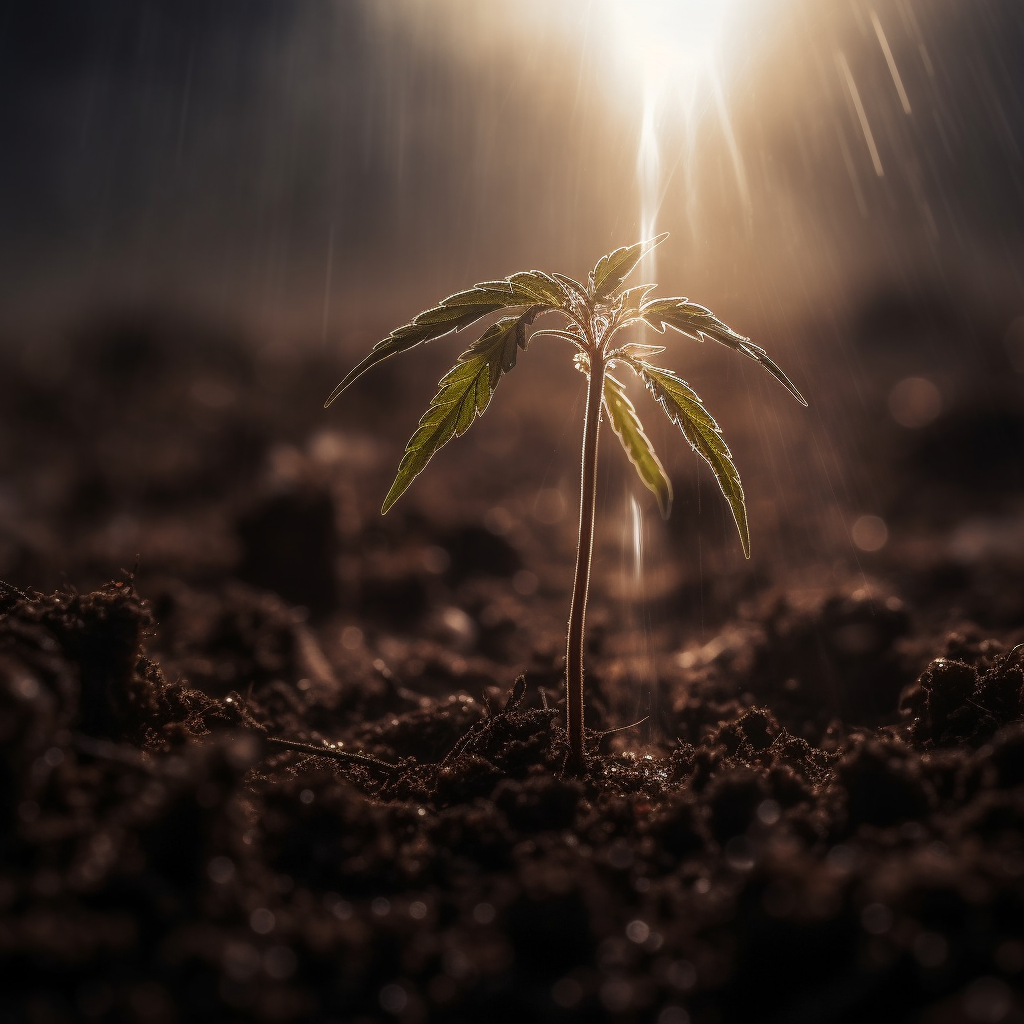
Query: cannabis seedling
{"x": 595, "y": 315}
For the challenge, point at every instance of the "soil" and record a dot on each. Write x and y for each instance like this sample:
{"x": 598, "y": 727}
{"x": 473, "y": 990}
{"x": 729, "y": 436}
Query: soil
{"x": 822, "y": 819}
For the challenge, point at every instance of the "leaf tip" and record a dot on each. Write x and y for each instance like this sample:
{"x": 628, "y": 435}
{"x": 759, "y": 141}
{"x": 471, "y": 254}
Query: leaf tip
{"x": 665, "y": 496}
{"x": 393, "y": 495}
{"x": 335, "y": 393}
{"x": 744, "y": 530}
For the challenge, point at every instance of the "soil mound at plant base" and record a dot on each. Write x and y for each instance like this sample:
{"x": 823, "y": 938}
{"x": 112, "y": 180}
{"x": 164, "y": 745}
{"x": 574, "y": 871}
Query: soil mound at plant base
{"x": 164, "y": 861}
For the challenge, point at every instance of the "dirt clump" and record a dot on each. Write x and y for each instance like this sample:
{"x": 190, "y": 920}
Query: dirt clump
{"x": 827, "y": 824}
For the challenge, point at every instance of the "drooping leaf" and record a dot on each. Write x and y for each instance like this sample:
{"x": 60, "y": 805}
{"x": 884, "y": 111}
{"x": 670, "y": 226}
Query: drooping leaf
{"x": 613, "y": 269}
{"x": 698, "y": 322}
{"x": 627, "y": 426}
{"x": 458, "y": 311}
{"x": 758, "y": 354}
{"x": 427, "y": 326}
{"x": 685, "y": 409}
{"x": 464, "y": 393}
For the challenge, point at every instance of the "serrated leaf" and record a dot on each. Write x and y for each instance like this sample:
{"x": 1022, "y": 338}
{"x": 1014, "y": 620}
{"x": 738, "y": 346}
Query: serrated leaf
{"x": 698, "y": 322}
{"x": 635, "y": 350}
{"x": 458, "y": 311}
{"x": 686, "y": 317}
{"x": 627, "y": 426}
{"x": 758, "y": 354}
{"x": 573, "y": 289}
{"x": 632, "y": 299}
{"x": 685, "y": 409}
{"x": 536, "y": 286}
{"x": 613, "y": 269}
{"x": 464, "y": 393}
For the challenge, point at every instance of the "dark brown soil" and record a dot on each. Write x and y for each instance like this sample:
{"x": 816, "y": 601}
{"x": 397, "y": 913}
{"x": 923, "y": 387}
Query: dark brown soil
{"x": 822, "y": 821}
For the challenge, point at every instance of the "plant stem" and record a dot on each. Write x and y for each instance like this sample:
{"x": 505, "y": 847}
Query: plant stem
{"x": 575, "y": 761}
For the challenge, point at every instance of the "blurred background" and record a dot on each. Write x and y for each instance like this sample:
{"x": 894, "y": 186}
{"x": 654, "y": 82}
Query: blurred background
{"x": 291, "y": 167}
{"x": 207, "y": 211}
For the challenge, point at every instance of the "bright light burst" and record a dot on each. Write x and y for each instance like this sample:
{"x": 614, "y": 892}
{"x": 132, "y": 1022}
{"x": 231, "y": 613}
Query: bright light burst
{"x": 666, "y": 60}
{"x": 673, "y": 44}
{"x": 674, "y": 49}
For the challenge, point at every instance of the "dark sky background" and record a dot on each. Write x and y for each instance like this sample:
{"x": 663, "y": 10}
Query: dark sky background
{"x": 320, "y": 170}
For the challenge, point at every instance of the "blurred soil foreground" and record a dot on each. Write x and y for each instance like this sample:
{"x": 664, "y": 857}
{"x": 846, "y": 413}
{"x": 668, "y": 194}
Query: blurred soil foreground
{"x": 822, "y": 819}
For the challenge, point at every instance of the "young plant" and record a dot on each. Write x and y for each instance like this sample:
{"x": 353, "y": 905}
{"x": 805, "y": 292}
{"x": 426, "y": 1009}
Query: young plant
{"x": 594, "y": 315}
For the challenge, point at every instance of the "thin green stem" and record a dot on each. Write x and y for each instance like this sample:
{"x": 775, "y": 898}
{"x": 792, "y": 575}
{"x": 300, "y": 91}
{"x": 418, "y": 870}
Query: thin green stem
{"x": 575, "y": 761}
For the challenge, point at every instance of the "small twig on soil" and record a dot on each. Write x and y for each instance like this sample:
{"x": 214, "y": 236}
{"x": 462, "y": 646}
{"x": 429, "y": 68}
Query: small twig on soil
{"x": 623, "y": 728}
{"x": 514, "y": 699}
{"x": 460, "y": 745}
{"x": 516, "y": 695}
{"x": 7, "y": 588}
{"x": 338, "y": 755}
{"x": 620, "y": 728}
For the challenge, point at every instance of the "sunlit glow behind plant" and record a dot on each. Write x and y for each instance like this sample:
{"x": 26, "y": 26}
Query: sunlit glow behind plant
{"x": 671, "y": 44}
{"x": 674, "y": 49}
{"x": 665, "y": 66}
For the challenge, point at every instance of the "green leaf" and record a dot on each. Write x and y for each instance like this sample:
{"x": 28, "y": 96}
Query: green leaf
{"x": 632, "y": 299}
{"x": 457, "y": 311}
{"x": 635, "y": 350}
{"x": 698, "y": 322}
{"x": 573, "y": 337}
{"x": 572, "y": 289}
{"x": 685, "y": 409}
{"x": 465, "y": 392}
{"x": 613, "y": 269}
{"x": 626, "y": 424}
{"x": 684, "y": 316}
{"x": 758, "y": 354}
{"x": 536, "y": 286}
